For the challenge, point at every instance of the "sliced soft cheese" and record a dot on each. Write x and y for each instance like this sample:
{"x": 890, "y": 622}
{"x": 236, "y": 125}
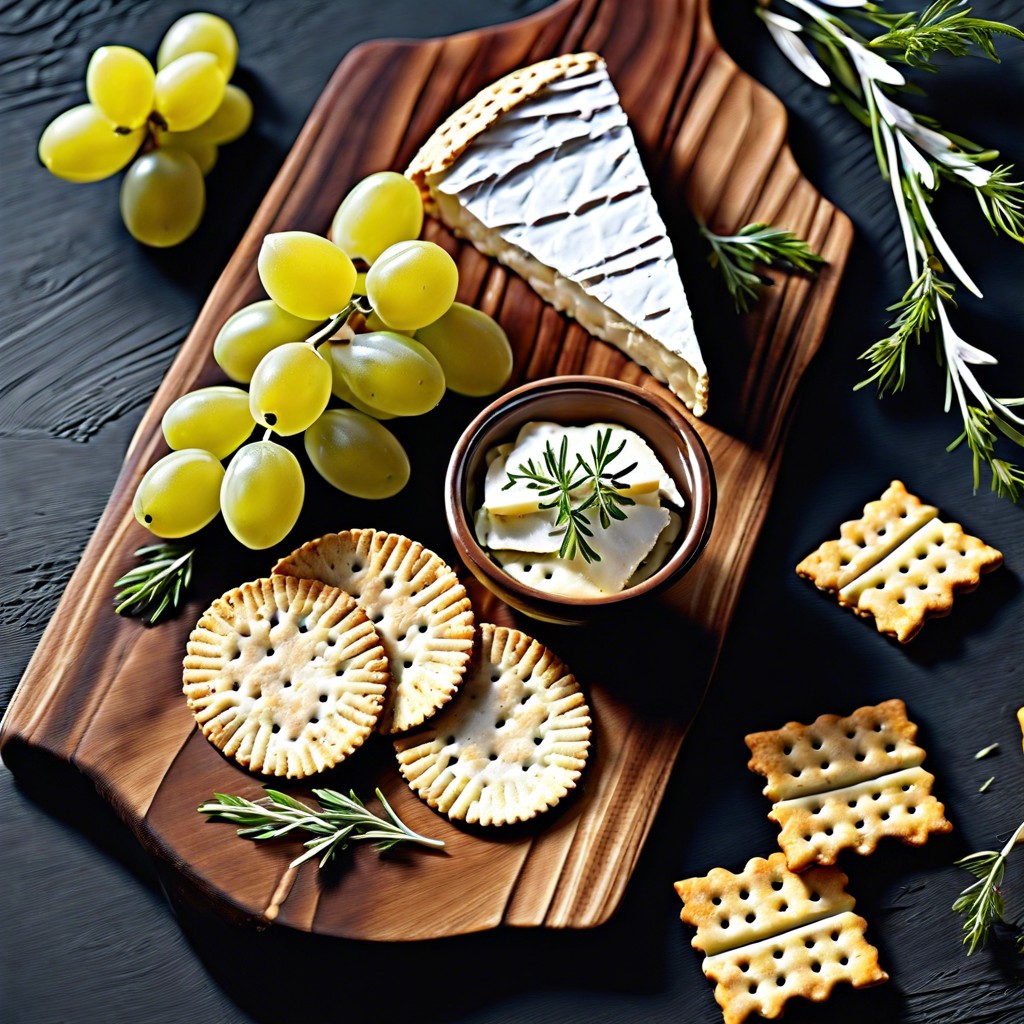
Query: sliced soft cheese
{"x": 622, "y": 547}
{"x": 648, "y": 476}
{"x": 531, "y": 531}
{"x": 659, "y": 553}
{"x": 555, "y": 189}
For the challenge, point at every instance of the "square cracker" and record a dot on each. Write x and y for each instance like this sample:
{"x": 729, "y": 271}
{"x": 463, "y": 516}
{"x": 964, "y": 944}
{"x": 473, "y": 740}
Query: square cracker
{"x": 845, "y": 783}
{"x": 899, "y": 564}
{"x": 769, "y": 934}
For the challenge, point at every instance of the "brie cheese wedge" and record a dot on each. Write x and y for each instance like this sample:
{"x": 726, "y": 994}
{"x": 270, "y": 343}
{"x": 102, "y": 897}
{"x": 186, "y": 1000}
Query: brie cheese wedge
{"x": 542, "y": 172}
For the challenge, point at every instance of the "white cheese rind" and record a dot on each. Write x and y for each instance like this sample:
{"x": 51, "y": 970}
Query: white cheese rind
{"x": 556, "y": 190}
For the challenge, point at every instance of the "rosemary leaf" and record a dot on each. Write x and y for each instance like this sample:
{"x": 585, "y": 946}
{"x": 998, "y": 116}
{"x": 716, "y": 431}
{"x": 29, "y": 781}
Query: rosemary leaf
{"x": 158, "y": 585}
{"x": 563, "y": 486}
{"x": 339, "y": 819}
{"x": 757, "y": 244}
{"x": 982, "y": 903}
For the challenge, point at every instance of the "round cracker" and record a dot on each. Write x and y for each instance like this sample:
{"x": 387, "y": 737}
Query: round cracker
{"x": 286, "y": 676}
{"x": 420, "y": 609}
{"x": 513, "y": 743}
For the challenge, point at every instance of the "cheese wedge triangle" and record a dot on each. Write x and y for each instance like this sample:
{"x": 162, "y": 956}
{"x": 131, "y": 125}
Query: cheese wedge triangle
{"x": 541, "y": 171}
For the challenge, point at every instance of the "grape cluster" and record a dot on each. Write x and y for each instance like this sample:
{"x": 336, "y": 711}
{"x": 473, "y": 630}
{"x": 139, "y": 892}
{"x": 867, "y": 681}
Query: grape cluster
{"x": 167, "y": 123}
{"x": 387, "y": 342}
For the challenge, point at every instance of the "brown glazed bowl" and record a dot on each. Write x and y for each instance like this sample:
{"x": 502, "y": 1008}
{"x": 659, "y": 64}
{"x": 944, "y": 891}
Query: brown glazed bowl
{"x": 578, "y": 401}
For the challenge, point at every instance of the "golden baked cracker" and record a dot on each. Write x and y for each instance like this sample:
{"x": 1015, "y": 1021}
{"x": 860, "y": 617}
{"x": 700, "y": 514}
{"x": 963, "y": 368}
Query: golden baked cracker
{"x": 918, "y": 579}
{"x": 452, "y": 137}
{"x": 420, "y": 609}
{"x": 845, "y": 783}
{"x": 1020, "y": 718}
{"x": 899, "y": 564}
{"x": 769, "y": 934}
{"x": 286, "y": 676}
{"x": 511, "y": 745}
{"x": 885, "y": 523}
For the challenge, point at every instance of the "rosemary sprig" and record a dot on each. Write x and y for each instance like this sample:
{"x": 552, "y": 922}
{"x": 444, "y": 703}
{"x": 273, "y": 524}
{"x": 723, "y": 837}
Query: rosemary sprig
{"x": 737, "y": 256}
{"x": 157, "y": 586}
{"x": 340, "y": 821}
{"x": 946, "y": 25}
{"x": 982, "y": 901}
{"x": 558, "y": 486}
{"x": 915, "y": 154}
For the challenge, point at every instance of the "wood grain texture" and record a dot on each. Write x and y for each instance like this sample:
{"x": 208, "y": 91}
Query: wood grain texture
{"x": 714, "y": 144}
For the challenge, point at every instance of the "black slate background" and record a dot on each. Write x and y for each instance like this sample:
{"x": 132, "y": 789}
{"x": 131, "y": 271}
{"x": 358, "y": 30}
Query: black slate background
{"x": 88, "y": 323}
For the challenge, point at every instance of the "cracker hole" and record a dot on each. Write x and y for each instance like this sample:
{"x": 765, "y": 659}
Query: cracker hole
{"x": 884, "y": 815}
{"x": 824, "y": 765}
{"x": 906, "y": 787}
{"x": 357, "y": 567}
{"x": 835, "y": 936}
{"x": 787, "y": 750}
{"x": 890, "y": 748}
{"x": 911, "y": 810}
{"x": 304, "y": 626}
{"x": 816, "y": 744}
{"x": 388, "y": 581}
{"x": 922, "y": 586}
{"x": 777, "y": 885}
{"x": 851, "y": 803}
{"x": 780, "y": 980}
{"x": 270, "y": 652}
{"x": 287, "y": 683}
{"x": 860, "y": 756}
{"x": 235, "y": 685}
{"x": 724, "y": 922}
{"x": 807, "y": 838}
{"x": 815, "y": 896}
{"x": 844, "y": 960}
{"x": 901, "y": 600}
{"x": 859, "y": 824}
{"x": 744, "y": 966}
{"x": 796, "y": 774}
{"x": 499, "y": 723}
{"x": 879, "y": 586}
{"x": 816, "y": 967}
{"x": 492, "y": 757}
{"x": 809, "y": 943}
{"x": 716, "y": 900}
{"x": 744, "y": 894}
{"x": 777, "y": 953}
{"x": 275, "y": 728}
{"x": 879, "y": 727}
{"x": 537, "y": 740}
{"x": 407, "y": 663}
{"x": 941, "y": 568}
{"x": 876, "y": 796}
{"x": 783, "y": 907}
{"x": 881, "y": 531}
{"x": 323, "y": 698}
{"x": 449, "y": 740}
{"x": 829, "y": 831}
{"x": 314, "y": 720}
{"x": 752, "y": 988}
{"x": 904, "y": 569}
{"x": 750, "y": 918}
{"x": 851, "y": 734}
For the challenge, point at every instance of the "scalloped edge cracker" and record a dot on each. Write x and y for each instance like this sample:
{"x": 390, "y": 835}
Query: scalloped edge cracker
{"x": 414, "y": 598}
{"x": 846, "y": 783}
{"x": 899, "y": 563}
{"x": 770, "y": 935}
{"x": 513, "y": 743}
{"x": 285, "y": 676}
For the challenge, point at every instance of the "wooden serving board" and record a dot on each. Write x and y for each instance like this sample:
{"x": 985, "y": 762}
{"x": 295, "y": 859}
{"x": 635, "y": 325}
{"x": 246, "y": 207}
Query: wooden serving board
{"x": 103, "y": 694}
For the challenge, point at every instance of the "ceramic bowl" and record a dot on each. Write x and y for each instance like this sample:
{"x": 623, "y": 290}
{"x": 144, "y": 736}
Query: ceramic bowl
{"x": 577, "y": 401}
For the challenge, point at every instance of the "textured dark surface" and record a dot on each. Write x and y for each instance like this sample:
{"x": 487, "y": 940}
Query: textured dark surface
{"x": 89, "y": 323}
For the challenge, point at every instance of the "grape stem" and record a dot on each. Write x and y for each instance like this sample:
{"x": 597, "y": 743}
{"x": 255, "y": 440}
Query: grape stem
{"x": 336, "y": 322}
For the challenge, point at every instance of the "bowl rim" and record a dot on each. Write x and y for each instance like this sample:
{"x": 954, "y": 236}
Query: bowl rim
{"x": 701, "y": 497}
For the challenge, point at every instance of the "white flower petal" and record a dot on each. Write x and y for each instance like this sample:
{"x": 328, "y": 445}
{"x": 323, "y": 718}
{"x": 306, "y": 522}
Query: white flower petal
{"x": 779, "y": 19}
{"x": 914, "y": 162}
{"x": 794, "y": 48}
{"x": 952, "y": 263}
{"x": 899, "y": 199}
{"x": 871, "y": 66}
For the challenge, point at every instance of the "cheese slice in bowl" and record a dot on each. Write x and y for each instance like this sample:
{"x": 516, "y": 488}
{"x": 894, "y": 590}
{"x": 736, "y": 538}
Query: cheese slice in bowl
{"x": 541, "y": 171}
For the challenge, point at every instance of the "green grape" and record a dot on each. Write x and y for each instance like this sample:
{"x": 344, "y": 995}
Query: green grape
{"x": 216, "y": 419}
{"x": 472, "y": 349}
{"x": 204, "y": 153}
{"x": 390, "y": 372}
{"x": 411, "y": 284}
{"x": 120, "y": 83}
{"x": 200, "y": 33}
{"x": 374, "y": 323}
{"x": 290, "y": 388}
{"x": 188, "y": 91}
{"x": 82, "y": 145}
{"x": 261, "y": 495}
{"x": 230, "y": 120}
{"x": 180, "y": 493}
{"x": 162, "y": 197}
{"x": 381, "y": 210}
{"x": 306, "y": 274}
{"x": 339, "y": 387}
{"x": 356, "y": 454}
{"x": 248, "y": 335}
